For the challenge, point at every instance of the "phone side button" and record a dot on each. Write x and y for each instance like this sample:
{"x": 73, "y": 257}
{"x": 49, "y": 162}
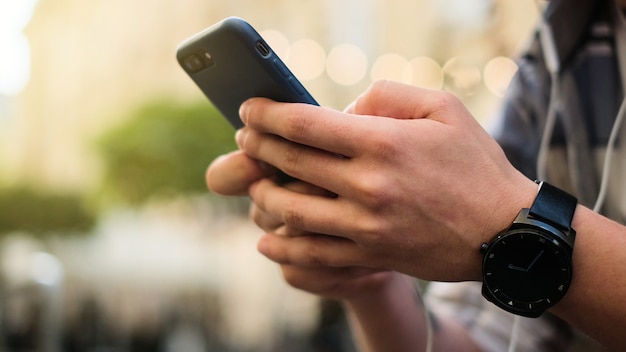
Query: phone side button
{"x": 281, "y": 67}
{"x": 296, "y": 85}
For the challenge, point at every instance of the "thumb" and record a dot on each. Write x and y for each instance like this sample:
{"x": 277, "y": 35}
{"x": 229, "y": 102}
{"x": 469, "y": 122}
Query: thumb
{"x": 233, "y": 173}
{"x": 402, "y": 101}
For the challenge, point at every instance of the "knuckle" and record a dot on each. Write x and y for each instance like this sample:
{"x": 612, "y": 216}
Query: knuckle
{"x": 374, "y": 190}
{"x": 378, "y": 87}
{"x": 261, "y": 219}
{"x": 444, "y": 101}
{"x": 373, "y": 229}
{"x": 315, "y": 256}
{"x": 384, "y": 144}
{"x": 369, "y": 100}
{"x": 291, "y": 159}
{"x": 296, "y": 125}
{"x": 293, "y": 217}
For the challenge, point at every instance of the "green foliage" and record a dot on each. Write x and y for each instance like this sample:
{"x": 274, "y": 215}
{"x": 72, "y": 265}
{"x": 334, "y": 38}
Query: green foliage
{"x": 163, "y": 149}
{"x": 37, "y": 212}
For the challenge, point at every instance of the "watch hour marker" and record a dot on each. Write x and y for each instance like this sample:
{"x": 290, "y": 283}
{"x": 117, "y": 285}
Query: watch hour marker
{"x": 510, "y": 303}
{"x": 561, "y": 288}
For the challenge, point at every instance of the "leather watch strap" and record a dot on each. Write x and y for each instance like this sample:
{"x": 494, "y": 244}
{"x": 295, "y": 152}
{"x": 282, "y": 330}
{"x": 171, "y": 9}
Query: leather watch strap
{"x": 554, "y": 206}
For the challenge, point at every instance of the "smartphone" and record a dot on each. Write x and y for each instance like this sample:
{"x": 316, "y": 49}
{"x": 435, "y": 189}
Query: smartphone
{"x": 230, "y": 62}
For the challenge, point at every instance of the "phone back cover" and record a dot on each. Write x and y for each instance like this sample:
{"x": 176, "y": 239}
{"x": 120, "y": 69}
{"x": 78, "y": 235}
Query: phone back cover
{"x": 238, "y": 70}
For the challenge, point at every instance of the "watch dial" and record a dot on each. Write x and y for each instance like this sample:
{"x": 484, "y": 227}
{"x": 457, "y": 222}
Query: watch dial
{"x": 526, "y": 268}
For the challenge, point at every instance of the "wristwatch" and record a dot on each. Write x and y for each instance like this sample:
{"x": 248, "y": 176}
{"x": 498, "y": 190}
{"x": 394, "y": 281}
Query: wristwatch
{"x": 527, "y": 268}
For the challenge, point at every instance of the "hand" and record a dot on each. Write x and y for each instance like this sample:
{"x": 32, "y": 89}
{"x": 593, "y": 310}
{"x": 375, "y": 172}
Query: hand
{"x": 340, "y": 283}
{"x": 417, "y": 192}
{"x": 231, "y": 174}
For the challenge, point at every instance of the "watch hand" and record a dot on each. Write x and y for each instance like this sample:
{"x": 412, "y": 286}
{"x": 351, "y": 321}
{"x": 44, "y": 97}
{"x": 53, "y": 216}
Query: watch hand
{"x": 535, "y": 260}
{"x": 518, "y": 268}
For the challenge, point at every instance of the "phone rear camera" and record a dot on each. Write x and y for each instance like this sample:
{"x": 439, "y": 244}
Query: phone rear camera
{"x": 197, "y": 61}
{"x": 263, "y": 49}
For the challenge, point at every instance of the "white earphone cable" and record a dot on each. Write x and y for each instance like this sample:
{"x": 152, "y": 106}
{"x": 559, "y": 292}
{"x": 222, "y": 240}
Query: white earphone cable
{"x": 608, "y": 157}
{"x": 427, "y": 319}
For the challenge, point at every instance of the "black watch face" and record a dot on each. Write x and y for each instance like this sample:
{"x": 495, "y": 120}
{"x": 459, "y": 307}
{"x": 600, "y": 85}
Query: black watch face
{"x": 527, "y": 270}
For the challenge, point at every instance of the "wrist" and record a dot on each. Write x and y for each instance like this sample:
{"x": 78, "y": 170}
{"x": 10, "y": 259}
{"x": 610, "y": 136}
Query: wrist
{"x": 379, "y": 291}
{"x": 520, "y": 195}
{"x": 512, "y": 198}
{"x": 390, "y": 318}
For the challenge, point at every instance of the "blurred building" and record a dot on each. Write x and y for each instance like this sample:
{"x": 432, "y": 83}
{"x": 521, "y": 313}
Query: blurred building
{"x": 91, "y": 61}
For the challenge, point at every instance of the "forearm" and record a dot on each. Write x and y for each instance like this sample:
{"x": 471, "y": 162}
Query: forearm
{"x": 596, "y": 300}
{"x": 393, "y": 320}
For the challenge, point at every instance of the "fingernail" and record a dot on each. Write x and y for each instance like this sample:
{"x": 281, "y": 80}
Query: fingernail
{"x": 243, "y": 113}
{"x": 262, "y": 246}
{"x": 240, "y": 136}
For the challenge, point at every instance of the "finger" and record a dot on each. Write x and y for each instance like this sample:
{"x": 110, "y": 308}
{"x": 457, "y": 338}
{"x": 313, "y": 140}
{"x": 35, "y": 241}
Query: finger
{"x": 312, "y": 214}
{"x": 343, "y": 133}
{"x": 232, "y": 173}
{"x": 326, "y": 281}
{"x": 318, "y": 127}
{"x": 263, "y": 220}
{"x": 307, "y": 188}
{"x": 313, "y": 251}
{"x": 325, "y": 276}
{"x": 326, "y": 170}
{"x": 401, "y": 101}
{"x": 270, "y": 224}
{"x": 302, "y": 188}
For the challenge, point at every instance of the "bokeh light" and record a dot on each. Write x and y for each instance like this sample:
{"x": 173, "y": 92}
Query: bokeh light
{"x": 346, "y": 64}
{"x": 307, "y": 59}
{"x": 14, "y": 46}
{"x": 498, "y": 73}
{"x": 391, "y": 66}
{"x": 463, "y": 75}
{"x": 425, "y": 72}
{"x": 14, "y": 63}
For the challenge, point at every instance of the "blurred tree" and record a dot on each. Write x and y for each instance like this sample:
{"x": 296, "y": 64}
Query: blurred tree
{"x": 38, "y": 212}
{"x": 162, "y": 149}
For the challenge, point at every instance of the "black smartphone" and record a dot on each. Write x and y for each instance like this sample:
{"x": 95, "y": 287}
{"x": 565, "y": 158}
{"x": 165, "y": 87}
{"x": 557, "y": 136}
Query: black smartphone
{"x": 230, "y": 62}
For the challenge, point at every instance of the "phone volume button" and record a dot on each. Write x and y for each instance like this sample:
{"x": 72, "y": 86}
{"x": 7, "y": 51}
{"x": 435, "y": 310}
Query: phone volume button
{"x": 281, "y": 67}
{"x": 296, "y": 85}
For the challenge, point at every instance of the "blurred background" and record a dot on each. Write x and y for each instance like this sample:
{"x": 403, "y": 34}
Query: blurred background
{"x": 109, "y": 240}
